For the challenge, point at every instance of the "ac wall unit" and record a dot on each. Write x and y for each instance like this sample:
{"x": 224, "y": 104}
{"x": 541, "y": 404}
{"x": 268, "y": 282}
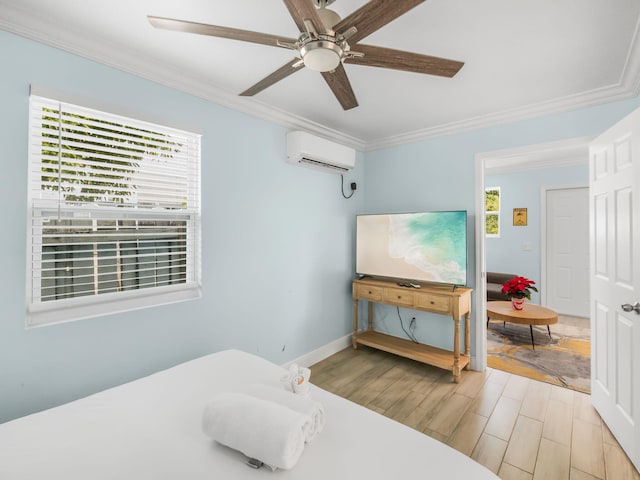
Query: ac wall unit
{"x": 315, "y": 152}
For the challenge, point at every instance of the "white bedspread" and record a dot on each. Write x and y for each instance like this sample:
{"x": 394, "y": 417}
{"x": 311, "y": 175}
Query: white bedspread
{"x": 150, "y": 429}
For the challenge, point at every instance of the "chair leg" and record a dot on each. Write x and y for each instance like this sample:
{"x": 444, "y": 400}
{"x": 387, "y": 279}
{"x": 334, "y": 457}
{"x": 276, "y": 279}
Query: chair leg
{"x": 531, "y": 330}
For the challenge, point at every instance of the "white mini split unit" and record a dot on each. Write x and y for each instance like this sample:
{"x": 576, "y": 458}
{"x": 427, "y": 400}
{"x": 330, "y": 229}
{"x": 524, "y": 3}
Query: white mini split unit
{"x": 315, "y": 152}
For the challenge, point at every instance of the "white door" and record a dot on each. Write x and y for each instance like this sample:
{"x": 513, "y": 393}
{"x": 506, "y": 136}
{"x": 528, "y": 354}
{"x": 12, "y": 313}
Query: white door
{"x": 614, "y": 199}
{"x": 566, "y": 287}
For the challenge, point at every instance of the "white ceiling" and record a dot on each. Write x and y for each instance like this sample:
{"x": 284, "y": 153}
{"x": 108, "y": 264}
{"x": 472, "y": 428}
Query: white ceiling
{"x": 522, "y": 58}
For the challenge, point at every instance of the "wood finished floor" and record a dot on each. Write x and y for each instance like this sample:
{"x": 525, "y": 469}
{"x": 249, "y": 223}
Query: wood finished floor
{"x": 517, "y": 427}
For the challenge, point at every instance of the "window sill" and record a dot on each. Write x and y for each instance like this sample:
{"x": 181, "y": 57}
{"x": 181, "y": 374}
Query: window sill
{"x": 107, "y": 304}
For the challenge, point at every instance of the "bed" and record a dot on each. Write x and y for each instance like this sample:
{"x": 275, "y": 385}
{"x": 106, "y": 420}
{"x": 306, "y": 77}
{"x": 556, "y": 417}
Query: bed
{"x": 151, "y": 429}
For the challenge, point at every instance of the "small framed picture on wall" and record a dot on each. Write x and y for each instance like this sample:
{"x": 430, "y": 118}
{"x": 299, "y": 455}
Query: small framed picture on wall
{"x": 519, "y": 217}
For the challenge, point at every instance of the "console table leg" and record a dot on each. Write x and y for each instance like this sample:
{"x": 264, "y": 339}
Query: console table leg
{"x": 456, "y": 350}
{"x": 467, "y": 338}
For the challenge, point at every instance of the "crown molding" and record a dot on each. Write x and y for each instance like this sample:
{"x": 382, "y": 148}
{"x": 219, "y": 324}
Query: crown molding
{"x": 630, "y": 78}
{"x": 28, "y": 25}
{"x": 627, "y": 87}
{"x": 586, "y": 99}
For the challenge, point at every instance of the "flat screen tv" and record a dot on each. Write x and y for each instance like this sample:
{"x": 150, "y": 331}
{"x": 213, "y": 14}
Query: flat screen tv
{"x": 422, "y": 247}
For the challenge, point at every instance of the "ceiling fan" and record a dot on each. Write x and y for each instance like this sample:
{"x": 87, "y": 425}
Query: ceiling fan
{"x": 326, "y": 42}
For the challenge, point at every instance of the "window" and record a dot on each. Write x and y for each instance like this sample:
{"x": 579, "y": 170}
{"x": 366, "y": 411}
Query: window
{"x": 114, "y": 213}
{"x": 492, "y": 211}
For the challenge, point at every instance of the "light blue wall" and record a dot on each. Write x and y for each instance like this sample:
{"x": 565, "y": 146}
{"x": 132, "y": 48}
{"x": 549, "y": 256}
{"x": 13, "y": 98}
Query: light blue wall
{"x": 439, "y": 174}
{"x": 506, "y": 253}
{"x": 277, "y": 244}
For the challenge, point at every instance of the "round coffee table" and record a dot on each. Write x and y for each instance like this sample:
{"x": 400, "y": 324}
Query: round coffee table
{"x": 529, "y": 315}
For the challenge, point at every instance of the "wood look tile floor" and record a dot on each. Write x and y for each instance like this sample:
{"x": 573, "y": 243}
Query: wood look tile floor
{"x": 517, "y": 427}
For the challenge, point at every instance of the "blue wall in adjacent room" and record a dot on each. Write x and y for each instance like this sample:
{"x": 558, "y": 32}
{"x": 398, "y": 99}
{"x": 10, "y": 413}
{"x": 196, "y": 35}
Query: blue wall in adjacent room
{"x": 277, "y": 245}
{"x": 517, "y": 249}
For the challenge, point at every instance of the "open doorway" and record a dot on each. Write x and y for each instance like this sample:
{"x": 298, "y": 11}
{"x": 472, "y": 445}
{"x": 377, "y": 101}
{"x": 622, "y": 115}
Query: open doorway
{"x": 543, "y": 216}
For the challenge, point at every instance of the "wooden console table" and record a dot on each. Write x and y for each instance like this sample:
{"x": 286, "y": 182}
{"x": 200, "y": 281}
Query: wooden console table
{"x": 442, "y": 300}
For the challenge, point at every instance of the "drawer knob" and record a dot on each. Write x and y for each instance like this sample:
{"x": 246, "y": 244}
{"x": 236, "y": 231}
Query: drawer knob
{"x": 369, "y": 292}
{"x": 432, "y": 302}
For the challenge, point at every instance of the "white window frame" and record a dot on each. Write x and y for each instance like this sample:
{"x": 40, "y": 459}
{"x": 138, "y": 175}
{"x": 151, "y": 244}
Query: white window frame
{"x": 40, "y": 313}
{"x": 494, "y": 213}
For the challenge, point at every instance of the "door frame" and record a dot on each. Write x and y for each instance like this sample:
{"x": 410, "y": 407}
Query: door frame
{"x": 543, "y": 233}
{"x": 543, "y": 155}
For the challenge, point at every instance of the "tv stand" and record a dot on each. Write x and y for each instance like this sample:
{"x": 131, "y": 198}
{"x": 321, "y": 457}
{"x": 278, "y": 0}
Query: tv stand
{"x": 455, "y": 303}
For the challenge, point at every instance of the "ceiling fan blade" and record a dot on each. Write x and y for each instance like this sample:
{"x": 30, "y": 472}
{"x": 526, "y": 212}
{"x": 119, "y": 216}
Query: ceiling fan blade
{"x": 341, "y": 87}
{"x": 401, "y": 60}
{"x": 302, "y": 10}
{"x": 374, "y": 15}
{"x": 283, "y": 72}
{"x": 217, "y": 31}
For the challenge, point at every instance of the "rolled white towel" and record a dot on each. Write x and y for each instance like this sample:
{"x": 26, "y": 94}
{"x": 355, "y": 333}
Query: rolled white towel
{"x": 299, "y": 403}
{"x": 264, "y": 430}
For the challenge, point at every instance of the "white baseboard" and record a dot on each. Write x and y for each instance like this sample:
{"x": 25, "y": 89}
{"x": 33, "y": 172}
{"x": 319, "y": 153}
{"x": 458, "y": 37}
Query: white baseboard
{"x": 321, "y": 353}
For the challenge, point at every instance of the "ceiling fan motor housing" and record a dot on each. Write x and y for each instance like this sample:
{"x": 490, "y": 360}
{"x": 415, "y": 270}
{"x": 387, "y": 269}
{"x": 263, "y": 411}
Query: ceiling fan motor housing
{"x": 328, "y": 17}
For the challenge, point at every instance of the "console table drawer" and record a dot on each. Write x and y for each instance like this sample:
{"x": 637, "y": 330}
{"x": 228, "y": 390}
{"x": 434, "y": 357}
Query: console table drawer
{"x": 397, "y": 296}
{"x": 370, "y": 293}
{"x": 434, "y": 303}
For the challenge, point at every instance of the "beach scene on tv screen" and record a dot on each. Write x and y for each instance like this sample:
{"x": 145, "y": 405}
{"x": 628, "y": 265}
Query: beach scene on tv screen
{"x": 429, "y": 246}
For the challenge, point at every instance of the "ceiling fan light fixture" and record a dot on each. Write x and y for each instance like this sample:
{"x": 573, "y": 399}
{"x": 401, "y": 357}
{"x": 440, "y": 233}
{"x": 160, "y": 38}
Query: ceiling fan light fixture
{"x": 321, "y": 55}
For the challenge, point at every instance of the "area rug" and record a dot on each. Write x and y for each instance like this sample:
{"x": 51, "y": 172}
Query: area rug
{"x": 563, "y": 359}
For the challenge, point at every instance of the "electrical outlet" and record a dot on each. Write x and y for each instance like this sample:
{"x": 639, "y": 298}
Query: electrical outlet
{"x": 412, "y": 324}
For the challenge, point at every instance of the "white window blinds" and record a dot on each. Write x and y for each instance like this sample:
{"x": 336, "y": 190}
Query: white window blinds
{"x": 114, "y": 207}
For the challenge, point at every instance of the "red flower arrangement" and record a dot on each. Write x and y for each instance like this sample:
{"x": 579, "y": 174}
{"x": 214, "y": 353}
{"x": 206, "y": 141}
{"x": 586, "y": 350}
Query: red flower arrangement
{"x": 519, "y": 287}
